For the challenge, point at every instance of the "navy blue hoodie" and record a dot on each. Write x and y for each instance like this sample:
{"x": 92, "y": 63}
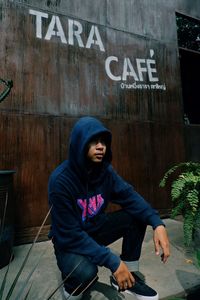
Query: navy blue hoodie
{"x": 79, "y": 197}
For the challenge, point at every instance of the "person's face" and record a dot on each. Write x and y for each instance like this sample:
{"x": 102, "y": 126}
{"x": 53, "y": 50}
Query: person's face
{"x": 96, "y": 150}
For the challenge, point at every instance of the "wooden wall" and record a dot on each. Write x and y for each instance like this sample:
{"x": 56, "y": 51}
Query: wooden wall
{"x": 55, "y": 83}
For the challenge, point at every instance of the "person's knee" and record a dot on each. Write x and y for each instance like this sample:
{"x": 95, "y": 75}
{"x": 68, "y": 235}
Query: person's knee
{"x": 81, "y": 278}
{"x": 86, "y": 272}
{"x": 76, "y": 270}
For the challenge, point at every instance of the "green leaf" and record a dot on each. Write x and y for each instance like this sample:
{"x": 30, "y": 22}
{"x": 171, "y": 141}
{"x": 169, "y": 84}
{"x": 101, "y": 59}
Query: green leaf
{"x": 188, "y": 226}
{"x": 198, "y": 257}
{"x": 177, "y": 188}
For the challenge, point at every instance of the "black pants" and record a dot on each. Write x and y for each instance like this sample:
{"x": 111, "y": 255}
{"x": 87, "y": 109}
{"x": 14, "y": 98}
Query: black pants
{"x": 119, "y": 224}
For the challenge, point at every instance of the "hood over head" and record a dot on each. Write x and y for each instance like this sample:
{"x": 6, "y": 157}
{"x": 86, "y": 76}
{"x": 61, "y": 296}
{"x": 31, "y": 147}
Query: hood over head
{"x": 85, "y": 129}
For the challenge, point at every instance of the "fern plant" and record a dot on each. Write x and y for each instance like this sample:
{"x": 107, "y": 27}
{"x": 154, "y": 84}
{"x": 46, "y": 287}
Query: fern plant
{"x": 185, "y": 194}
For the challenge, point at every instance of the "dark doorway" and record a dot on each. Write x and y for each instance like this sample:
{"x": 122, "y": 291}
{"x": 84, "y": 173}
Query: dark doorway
{"x": 190, "y": 75}
{"x": 188, "y": 33}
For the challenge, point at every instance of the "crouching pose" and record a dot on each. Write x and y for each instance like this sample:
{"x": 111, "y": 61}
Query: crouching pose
{"x": 80, "y": 190}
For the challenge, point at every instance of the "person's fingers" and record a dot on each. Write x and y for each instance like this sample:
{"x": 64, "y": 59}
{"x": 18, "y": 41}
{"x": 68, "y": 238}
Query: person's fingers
{"x": 164, "y": 258}
{"x": 127, "y": 283}
{"x": 157, "y": 246}
{"x": 130, "y": 282}
{"x": 165, "y": 249}
{"x": 161, "y": 242}
{"x": 166, "y": 253}
{"x": 122, "y": 284}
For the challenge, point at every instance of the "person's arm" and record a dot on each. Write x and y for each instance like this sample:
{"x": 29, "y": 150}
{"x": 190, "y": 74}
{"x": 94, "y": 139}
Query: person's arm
{"x": 69, "y": 236}
{"x": 136, "y": 205}
{"x": 124, "y": 277}
{"x": 131, "y": 201}
{"x": 161, "y": 242}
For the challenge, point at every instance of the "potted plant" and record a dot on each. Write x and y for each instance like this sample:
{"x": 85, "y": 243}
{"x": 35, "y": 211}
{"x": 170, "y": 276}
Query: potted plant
{"x": 185, "y": 195}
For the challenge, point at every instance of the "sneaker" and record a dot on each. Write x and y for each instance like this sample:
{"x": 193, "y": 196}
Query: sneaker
{"x": 71, "y": 297}
{"x": 140, "y": 289}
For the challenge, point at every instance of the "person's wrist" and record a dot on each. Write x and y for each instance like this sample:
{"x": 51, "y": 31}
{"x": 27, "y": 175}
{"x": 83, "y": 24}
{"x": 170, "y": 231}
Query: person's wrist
{"x": 159, "y": 225}
{"x": 115, "y": 270}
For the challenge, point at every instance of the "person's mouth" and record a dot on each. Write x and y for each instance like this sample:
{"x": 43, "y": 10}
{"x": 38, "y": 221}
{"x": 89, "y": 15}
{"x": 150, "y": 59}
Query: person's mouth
{"x": 99, "y": 155}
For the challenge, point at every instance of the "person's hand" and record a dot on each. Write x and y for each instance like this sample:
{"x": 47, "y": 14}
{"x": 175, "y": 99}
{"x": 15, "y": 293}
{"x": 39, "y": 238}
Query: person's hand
{"x": 124, "y": 278}
{"x": 161, "y": 242}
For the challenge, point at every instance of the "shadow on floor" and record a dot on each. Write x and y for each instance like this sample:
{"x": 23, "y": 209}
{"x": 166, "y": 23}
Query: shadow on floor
{"x": 194, "y": 295}
{"x": 102, "y": 291}
{"x": 185, "y": 277}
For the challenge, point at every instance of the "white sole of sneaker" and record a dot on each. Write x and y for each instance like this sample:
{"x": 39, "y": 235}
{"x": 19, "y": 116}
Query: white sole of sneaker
{"x": 139, "y": 297}
{"x": 68, "y": 296}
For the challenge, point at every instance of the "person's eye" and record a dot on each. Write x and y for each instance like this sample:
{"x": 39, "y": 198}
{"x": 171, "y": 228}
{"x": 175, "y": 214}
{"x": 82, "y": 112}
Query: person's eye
{"x": 103, "y": 142}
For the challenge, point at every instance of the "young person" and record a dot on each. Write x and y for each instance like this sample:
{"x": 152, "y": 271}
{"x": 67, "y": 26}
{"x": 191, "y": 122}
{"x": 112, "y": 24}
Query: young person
{"x": 80, "y": 190}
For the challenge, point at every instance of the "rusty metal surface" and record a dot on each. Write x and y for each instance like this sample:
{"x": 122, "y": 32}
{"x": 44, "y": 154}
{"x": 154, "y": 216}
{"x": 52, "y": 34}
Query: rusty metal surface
{"x": 55, "y": 78}
{"x": 55, "y": 83}
{"x": 34, "y": 145}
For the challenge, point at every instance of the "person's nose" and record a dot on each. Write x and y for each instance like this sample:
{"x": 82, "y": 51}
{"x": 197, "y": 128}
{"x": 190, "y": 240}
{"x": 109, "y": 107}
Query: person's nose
{"x": 99, "y": 145}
